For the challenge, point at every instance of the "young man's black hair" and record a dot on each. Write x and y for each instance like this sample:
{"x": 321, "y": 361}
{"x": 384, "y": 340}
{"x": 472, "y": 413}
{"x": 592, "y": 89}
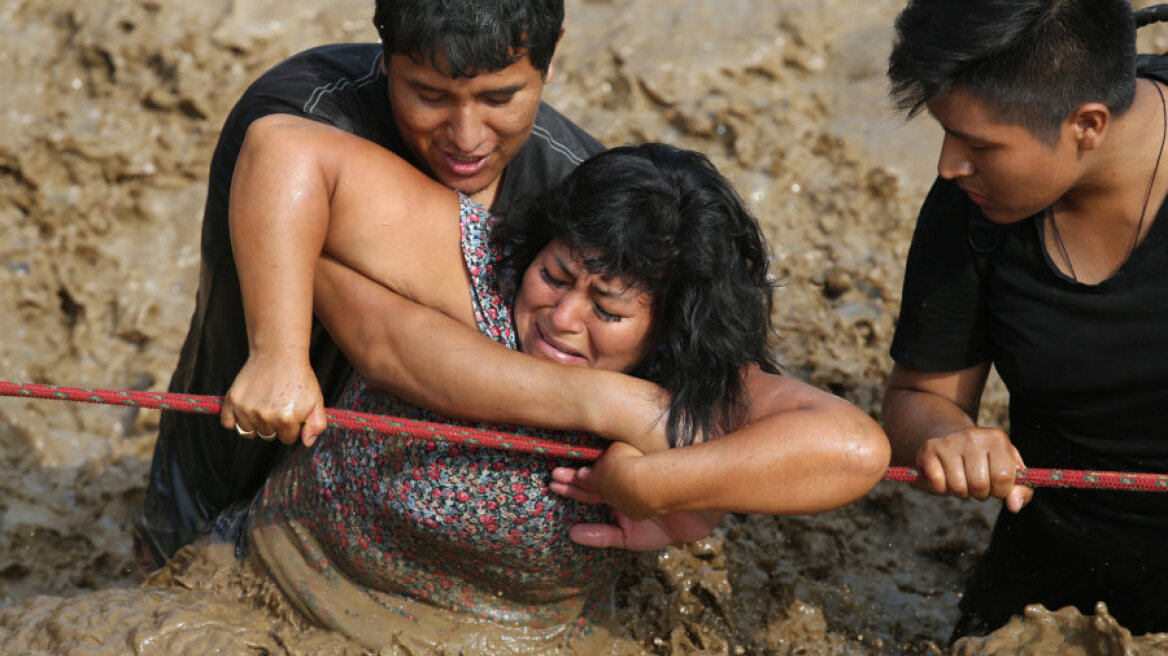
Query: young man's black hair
{"x": 463, "y": 38}
{"x": 1032, "y": 62}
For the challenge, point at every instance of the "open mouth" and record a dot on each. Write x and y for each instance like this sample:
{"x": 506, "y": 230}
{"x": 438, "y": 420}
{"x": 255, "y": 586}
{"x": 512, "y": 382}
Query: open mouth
{"x": 465, "y": 165}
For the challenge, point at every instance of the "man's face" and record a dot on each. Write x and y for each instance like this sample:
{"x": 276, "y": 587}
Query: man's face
{"x": 464, "y": 131}
{"x": 1003, "y": 167}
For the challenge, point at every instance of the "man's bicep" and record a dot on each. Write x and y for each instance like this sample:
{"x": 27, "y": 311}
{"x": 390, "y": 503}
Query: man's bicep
{"x": 368, "y": 322}
{"x": 420, "y": 354}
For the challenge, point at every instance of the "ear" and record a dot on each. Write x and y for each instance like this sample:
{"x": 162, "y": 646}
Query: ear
{"x": 1089, "y": 123}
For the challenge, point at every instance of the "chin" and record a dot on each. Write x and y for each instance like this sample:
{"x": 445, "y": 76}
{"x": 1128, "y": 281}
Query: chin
{"x": 1005, "y": 217}
{"x": 468, "y": 188}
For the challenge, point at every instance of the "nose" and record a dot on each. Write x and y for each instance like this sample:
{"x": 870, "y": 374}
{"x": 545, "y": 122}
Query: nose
{"x": 465, "y": 128}
{"x": 954, "y": 160}
{"x": 567, "y": 314}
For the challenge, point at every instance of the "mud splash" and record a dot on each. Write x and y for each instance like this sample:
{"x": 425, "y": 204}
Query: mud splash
{"x": 111, "y": 109}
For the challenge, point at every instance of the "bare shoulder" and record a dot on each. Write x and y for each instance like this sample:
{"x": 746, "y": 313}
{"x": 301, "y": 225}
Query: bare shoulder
{"x": 334, "y": 151}
{"x": 771, "y": 393}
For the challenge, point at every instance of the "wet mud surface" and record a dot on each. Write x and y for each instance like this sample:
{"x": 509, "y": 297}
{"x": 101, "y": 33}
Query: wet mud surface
{"x": 109, "y": 116}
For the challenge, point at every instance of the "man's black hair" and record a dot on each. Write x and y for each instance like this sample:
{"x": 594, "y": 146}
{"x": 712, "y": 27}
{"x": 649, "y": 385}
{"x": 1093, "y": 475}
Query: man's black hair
{"x": 1032, "y": 62}
{"x": 463, "y": 38}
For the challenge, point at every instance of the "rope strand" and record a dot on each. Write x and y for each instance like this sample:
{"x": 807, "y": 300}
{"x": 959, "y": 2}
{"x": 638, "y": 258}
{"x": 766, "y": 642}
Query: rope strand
{"x": 200, "y": 404}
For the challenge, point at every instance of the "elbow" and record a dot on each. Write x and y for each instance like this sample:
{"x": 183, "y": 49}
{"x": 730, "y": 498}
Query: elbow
{"x": 868, "y": 453}
{"x": 875, "y": 454}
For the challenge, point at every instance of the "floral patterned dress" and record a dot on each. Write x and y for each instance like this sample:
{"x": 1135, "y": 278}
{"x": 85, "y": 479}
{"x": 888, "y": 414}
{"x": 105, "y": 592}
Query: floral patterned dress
{"x": 401, "y": 519}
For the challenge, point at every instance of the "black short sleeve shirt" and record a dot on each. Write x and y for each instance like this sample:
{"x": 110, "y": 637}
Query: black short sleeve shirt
{"x": 1086, "y": 365}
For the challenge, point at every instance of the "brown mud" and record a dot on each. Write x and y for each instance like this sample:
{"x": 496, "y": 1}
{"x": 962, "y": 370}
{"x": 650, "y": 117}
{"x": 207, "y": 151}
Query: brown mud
{"x": 110, "y": 112}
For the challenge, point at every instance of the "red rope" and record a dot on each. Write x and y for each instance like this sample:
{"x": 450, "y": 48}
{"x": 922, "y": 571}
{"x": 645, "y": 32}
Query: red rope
{"x": 195, "y": 403}
{"x": 1079, "y": 478}
{"x": 210, "y": 405}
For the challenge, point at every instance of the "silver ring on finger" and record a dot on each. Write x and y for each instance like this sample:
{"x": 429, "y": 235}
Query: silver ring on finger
{"x": 243, "y": 433}
{"x": 267, "y": 438}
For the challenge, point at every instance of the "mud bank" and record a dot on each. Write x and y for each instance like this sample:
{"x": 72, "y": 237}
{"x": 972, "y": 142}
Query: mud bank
{"x": 110, "y": 115}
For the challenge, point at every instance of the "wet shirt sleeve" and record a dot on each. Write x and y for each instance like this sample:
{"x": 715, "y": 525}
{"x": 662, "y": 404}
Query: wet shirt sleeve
{"x": 942, "y": 323}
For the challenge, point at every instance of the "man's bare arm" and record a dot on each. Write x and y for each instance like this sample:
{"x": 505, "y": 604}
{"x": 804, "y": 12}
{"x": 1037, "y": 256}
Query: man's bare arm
{"x": 435, "y": 362}
{"x": 930, "y": 419}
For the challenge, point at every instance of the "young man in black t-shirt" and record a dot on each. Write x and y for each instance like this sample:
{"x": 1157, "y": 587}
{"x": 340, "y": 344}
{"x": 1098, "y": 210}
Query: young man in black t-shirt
{"x": 455, "y": 89}
{"x": 1040, "y": 251}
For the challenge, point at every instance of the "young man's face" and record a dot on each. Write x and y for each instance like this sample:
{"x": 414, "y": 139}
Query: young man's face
{"x": 464, "y": 131}
{"x": 1004, "y": 167}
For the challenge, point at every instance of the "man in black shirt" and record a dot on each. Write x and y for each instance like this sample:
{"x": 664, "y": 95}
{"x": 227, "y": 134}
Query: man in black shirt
{"x": 1039, "y": 251}
{"x": 455, "y": 89}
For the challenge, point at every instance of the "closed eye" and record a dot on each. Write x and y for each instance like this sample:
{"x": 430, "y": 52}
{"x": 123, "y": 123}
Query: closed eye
{"x": 498, "y": 99}
{"x": 547, "y": 277}
{"x": 605, "y": 315}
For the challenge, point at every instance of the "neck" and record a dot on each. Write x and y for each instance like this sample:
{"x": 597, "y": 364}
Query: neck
{"x": 1115, "y": 175}
{"x": 1097, "y": 225}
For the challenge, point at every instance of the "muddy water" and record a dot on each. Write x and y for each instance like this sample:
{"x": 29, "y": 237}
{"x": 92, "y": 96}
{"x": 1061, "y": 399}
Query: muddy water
{"x": 109, "y": 115}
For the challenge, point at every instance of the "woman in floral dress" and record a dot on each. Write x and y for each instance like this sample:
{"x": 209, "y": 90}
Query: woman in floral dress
{"x": 643, "y": 264}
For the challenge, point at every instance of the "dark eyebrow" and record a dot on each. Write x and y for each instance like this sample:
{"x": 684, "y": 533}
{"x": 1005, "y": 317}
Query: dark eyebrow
{"x": 569, "y": 271}
{"x": 500, "y": 91}
{"x": 964, "y": 135}
{"x": 563, "y": 265}
{"x": 509, "y": 90}
{"x": 422, "y": 86}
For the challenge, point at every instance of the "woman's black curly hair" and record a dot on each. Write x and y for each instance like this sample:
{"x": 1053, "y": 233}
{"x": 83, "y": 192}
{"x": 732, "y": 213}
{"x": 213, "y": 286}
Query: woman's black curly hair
{"x": 664, "y": 220}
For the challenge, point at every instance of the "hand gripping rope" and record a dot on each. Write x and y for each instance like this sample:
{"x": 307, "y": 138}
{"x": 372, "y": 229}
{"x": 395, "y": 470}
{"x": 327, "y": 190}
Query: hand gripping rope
{"x": 401, "y": 427}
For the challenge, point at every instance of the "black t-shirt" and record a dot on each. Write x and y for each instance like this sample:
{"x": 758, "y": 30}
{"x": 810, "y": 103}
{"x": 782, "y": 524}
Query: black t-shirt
{"x": 1087, "y": 371}
{"x": 199, "y": 468}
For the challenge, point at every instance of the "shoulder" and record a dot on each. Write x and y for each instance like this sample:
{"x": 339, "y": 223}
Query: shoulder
{"x": 939, "y": 326}
{"x": 945, "y": 201}
{"x": 560, "y": 138}
{"x": 340, "y": 84}
{"x": 555, "y": 147}
{"x": 1153, "y": 66}
{"x": 947, "y": 222}
{"x": 772, "y": 393}
{"x": 324, "y": 68}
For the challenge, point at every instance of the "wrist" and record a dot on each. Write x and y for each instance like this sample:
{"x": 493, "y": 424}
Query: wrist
{"x": 627, "y": 409}
{"x": 278, "y": 351}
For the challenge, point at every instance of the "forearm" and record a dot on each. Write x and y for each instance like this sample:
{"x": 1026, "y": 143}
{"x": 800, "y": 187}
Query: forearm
{"x": 439, "y": 363}
{"x": 920, "y": 406}
{"x": 912, "y": 418}
{"x": 278, "y": 218}
{"x": 796, "y": 462}
{"x": 930, "y": 418}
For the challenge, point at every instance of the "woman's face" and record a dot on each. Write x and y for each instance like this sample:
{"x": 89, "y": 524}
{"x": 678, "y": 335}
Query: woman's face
{"x": 565, "y": 314}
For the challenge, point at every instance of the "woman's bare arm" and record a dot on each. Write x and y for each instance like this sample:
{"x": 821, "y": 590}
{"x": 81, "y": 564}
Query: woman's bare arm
{"x": 803, "y": 451}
